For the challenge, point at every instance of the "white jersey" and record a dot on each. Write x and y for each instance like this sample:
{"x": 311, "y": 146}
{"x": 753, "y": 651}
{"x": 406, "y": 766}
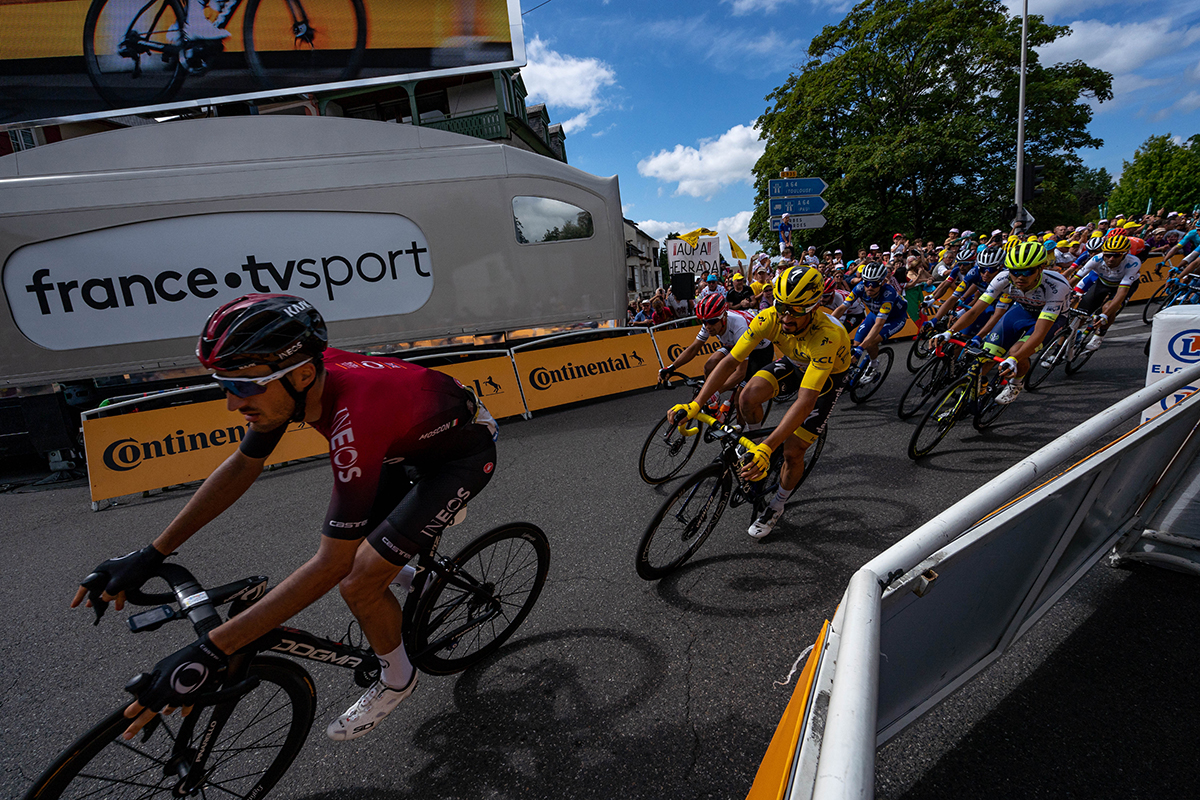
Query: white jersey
{"x": 1125, "y": 273}
{"x": 736, "y": 323}
{"x": 1047, "y": 300}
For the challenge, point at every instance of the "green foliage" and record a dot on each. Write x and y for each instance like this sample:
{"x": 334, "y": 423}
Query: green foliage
{"x": 1167, "y": 172}
{"x": 909, "y": 111}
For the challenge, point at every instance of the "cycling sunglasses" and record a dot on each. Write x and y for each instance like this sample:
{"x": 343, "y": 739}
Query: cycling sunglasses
{"x": 249, "y": 387}
{"x": 872, "y": 284}
{"x": 1114, "y": 255}
{"x": 1024, "y": 273}
{"x": 784, "y": 308}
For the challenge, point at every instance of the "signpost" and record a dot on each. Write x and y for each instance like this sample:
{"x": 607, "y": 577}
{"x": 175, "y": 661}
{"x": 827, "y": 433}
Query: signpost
{"x": 800, "y": 198}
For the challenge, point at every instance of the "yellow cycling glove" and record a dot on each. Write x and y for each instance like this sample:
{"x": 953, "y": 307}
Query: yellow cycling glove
{"x": 760, "y": 454}
{"x": 690, "y": 410}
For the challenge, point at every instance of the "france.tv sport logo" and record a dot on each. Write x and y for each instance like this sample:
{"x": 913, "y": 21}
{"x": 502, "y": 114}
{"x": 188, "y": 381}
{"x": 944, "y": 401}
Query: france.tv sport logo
{"x": 1185, "y": 346}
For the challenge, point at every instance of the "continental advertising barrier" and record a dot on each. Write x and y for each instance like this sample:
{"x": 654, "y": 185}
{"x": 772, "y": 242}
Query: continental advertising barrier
{"x": 136, "y": 452}
{"x": 574, "y": 372}
{"x": 90, "y": 58}
{"x": 494, "y": 382}
{"x": 1153, "y": 275}
{"x": 672, "y": 342}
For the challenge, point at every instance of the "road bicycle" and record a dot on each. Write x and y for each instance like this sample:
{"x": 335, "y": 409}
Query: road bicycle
{"x": 137, "y": 52}
{"x": 944, "y": 365}
{"x": 970, "y": 394}
{"x": 1176, "y": 291}
{"x": 921, "y": 348}
{"x": 686, "y": 518}
{"x": 859, "y": 384}
{"x": 1067, "y": 347}
{"x": 240, "y": 739}
{"x": 666, "y": 450}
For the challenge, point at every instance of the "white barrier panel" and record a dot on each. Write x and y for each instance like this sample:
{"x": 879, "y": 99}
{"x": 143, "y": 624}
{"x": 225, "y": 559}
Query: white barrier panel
{"x": 1174, "y": 346}
{"x": 958, "y": 591}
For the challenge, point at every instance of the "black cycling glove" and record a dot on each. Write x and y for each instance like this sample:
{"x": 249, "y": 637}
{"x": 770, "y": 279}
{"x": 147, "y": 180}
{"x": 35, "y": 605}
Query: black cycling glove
{"x": 179, "y": 678}
{"x": 131, "y": 570}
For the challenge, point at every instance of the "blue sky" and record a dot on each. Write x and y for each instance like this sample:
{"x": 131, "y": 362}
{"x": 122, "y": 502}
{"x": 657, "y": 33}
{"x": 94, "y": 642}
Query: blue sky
{"x": 665, "y": 94}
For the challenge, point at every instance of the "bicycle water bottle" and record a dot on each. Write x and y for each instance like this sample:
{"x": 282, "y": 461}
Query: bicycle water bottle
{"x": 723, "y": 410}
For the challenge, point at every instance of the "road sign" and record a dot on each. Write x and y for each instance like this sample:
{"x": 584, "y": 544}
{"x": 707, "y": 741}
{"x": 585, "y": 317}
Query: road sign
{"x": 800, "y": 223}
{"x": 792, "y": 187}
{"x": 787, "y": 173}
{"x": 797, "y": 205}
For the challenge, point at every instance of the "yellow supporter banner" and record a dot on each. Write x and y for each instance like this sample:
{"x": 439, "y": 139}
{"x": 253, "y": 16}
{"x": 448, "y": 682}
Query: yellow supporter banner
{"x": 559, "y": 375}
{"x": 776, "y": 767}
{"x": 672, "y": 342}
{"x": 55, "y": 27}
{"x": 493, "y": 381}
{"x": 146, "y": 450}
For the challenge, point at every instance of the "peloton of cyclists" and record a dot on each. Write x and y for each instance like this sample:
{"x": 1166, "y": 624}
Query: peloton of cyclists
{"x": 1107, "y": 280}
{"x": 269, "y": 354}
{"x": 887, "y": 313}
{"x": 973, "y": 284}
{"x": 806, "y": 336}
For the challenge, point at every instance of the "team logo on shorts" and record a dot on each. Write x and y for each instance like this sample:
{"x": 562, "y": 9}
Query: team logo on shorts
{"x": 488, "y": 467}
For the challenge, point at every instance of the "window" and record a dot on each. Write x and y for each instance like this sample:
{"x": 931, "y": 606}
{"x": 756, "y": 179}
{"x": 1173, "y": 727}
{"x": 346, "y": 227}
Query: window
{"x": 22, "y": 139}
{"x": 540, "y": 219}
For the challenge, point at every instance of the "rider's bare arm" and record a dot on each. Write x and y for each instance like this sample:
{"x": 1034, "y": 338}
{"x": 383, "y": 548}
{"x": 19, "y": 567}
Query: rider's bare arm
{"x": 971, "y": 314}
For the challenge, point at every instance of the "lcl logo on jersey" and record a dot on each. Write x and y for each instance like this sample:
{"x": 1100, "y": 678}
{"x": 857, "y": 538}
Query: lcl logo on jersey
{"x": 1185, "y": 346}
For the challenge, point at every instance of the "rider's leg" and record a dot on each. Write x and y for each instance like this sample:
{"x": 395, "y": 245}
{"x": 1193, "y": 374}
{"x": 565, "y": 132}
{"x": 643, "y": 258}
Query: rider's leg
{"x": 792, "y": 470}
{"x": 738, "y": 375}
{"x": 366, "y": 592}
{"x": 759, "y": 389}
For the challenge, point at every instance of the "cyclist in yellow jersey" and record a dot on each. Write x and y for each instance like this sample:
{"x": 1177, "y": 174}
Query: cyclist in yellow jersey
{"x": 816, "y": 352}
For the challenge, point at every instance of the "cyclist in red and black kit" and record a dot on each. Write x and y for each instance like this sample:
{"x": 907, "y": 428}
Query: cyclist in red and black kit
{"x": 379, "y": 414}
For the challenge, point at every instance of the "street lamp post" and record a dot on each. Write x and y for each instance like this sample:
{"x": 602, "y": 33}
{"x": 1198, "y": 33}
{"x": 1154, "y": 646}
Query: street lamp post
{"x": 1020, "y": 193}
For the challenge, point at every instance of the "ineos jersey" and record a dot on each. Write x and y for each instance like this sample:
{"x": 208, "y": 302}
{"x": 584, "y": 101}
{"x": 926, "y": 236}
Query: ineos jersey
{"x": 1048, "y": 299}
{"x": 1124, "y": 273}
{"x": 736, "y": 323}
{"x": 379, "y": 409}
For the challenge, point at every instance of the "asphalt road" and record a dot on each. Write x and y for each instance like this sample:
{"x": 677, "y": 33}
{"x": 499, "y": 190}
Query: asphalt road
{"x": 615, "y": 687}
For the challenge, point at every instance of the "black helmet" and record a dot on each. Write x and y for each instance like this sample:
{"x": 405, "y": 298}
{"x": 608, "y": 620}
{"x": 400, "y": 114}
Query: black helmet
{"x": 261, "y": 329}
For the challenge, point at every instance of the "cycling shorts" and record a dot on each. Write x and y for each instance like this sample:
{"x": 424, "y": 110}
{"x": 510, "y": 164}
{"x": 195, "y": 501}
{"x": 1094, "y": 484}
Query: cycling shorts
{"x": 414, "y": 505}
{"x": 785, "y": 376}
{"x": 1097, "y": 294}
{"x": 894, "y": 324}
{"x": 758, "y": 359}
{"x": 1016, "y": 326}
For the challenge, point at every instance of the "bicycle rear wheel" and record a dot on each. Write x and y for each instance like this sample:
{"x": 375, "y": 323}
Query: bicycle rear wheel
{"x": 929, "y": 378}
{"x": 683, "y": 522}
{"x": 771, "y": 482}
{"x": 452, "y": 626}
{"x": 293, "y": 43}
{"x": 862, "y": 390}
{"x": 987, "y": 409}
{"x": 939, "y": 419}
{"x": 665, "y": 453}
{"x": 123, "y": 51}
{"x": 264, "y": 733}
{"x": 1078, "y": 354}
{"x": 920, "y": 351}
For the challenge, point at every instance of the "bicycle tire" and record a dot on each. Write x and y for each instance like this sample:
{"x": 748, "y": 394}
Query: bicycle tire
{"x": 272, "y": 51}
{"x": 1162, "y": 295}
{"x": 1055, "y": 351}
{"x": 987, "y": 410}
{"x": 860, "y": 392}
{"x": 929, "y": 378}
{"x": 1081, "y": 355}
{"x": 122, "y": 81}
{"x": 665, "y": 453}
{"x": 706, "y": 490}
{"x": 101, "y": 750}
{"x": 939, "y": 419}
{"x": 919, "y": 352}
{"x": 512, "y": 562}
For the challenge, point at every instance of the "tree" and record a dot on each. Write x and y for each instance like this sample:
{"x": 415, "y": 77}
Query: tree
{"x": 908, "y": 110}
{"x": 1162, "y": 170}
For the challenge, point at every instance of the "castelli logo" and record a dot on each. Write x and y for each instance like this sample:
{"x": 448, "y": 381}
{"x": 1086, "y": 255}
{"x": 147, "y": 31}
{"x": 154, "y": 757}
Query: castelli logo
{"x": 488, "y": 468}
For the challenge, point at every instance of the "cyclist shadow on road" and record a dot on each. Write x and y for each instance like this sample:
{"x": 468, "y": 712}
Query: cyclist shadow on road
{"x": 540, "y": 719}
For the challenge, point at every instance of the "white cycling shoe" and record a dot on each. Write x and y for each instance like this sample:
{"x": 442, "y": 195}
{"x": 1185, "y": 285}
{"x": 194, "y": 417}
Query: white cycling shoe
{"x": 362, "y": 717}
{"x": 1093, "y": 344}
{"x": 199, "y": 28}
{"x": 1009, "y": 392}
{"x": 765, "y": 523}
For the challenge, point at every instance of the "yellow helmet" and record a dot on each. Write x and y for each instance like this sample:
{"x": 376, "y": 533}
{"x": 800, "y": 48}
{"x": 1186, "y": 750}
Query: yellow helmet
{"x": 800, "y": 286}
{"x": 1116, "y": 243}
{"x": 1025, "y": 256}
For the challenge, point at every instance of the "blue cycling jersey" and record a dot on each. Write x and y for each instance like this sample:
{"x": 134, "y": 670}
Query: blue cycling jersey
{"x": 1190, "y": 241}
{"x": 889, "y": 302}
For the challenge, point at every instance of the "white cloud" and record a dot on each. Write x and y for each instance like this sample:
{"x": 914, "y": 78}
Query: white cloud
{"x": 742, "y": 7}
{"x": 563, "y": 81}
{"x": 1056, "y": 9}
{"x": 659, "y": 230}
{"x": 737, "y": 226}
{"x": 729, "y": 49}
{"x": 703, "y": 171}
{"x": 1184, "y": 105}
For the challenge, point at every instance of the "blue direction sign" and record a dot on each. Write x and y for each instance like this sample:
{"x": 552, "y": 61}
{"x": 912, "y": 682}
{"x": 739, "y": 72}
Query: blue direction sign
{"x": 790, "y": 187}
{"x": 800, "y": 223}
{"x": 797, "y": 205}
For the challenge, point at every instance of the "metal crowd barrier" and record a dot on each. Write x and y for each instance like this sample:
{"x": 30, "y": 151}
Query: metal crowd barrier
{"x": 925, "y": 616}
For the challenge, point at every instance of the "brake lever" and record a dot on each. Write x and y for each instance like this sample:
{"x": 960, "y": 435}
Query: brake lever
{"x": 95, "y": 584}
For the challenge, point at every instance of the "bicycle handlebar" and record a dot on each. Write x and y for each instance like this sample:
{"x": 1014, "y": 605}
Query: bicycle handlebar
{"x": 718, "y": 430}
{"x": 687, "y": 380}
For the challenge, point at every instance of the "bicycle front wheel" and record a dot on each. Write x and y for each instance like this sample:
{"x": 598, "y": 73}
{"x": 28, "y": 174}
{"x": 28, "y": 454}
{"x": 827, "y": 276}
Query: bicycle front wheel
{"x": 683, "y": 522}
{"x": 939, "y": 419}
{"x": 1162, "y": 295}
{"x": 862, "y": 390}
{"x": 925, "y": 383}
{"x": 1079, "y": 354}
{"x": 131, "y": 51}
{"x": 665, "y": 453}
{"x": 293, "y": 43}
{"x": 253, "y": 749}
{"x": 463, "y": 618}
{"x": 920, "y": 351}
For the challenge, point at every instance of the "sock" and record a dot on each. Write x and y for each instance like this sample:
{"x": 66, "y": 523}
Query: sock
{"x": 781, "y": 497}
{"x": 397, "y": 669}
{"x": 753, "y": 426}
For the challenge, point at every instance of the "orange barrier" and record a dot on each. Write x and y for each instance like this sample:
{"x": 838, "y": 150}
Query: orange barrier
{"x": 559, "y": 375}
{"x": 145, "y": 450}
{"x": 1154, "y": 275}
{"x": 671, "y": 343}
{"x": 494, "y": 381}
